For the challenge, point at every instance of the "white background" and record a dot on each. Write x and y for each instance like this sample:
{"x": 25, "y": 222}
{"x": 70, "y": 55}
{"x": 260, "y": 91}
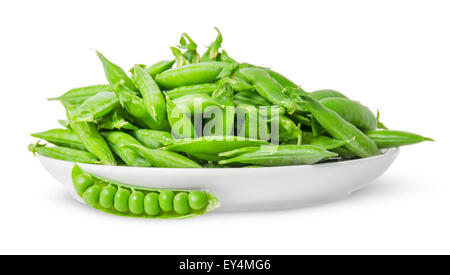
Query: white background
{"x": 391, "y": 55}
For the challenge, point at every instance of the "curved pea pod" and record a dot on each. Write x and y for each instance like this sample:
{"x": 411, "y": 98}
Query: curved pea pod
{"x": 179, "y": 120}
{"x": 153, "y": 98}
{"x": 321, "y": 94}
{"x": 251, "y": 98}
{"x": 391, "y": 138}
{"x": 193, "y": 74}
{"x": 267, "y": 87}
{"x": 96, "y": 107}
{"x": 61, "y": 137}
{"x": 79, "y": 95}
{"x": 117, "y": 140}
{"x": 159, "y": 67}
{"x": 325, "y": 142}
{"x": 213, "y": 144}
{"x": 339, "y": 128}
{"x": 352, "y": 111}
{"x": 212, "y": 53}
{"x": 283, "y": 155}
{"x": 115, "y": 74}
{"x": 162, "y": 158}
{"x": 63, "y": 153}
{"x": 152, "y": 138}
{"x": 90, "y": 137}
{"x": 196, "y": 103}
{"x": 284, "y": 81}
{"x": 135, "y": 106}
{"x": 142, "y": 202}
{"x": 207, "y": 88}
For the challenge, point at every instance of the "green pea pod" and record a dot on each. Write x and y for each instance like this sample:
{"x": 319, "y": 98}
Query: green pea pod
{"x": 339, "y": 128}
{"x": 196, "y": 103}
{"x": 141, "y": 202}
{"x": 63, "y": 153}
{"x": 283, "y": 155}
{"x": 116, "y": 121}
{"x": 117, "y": 140}
{"x": 115, "y": 74}
{"x": 251, "y": 98}
{"x": 224, "y": 119}
{"x": 207, "y": 88}
{"x": 284, "y": 81}
{"x": 344, "y": 153}
{"x": 162, "y": 158}
{"x": 179, "y": 120}
{"x": 213, "y": 144}
{"x": 61, "y": 137}
{"x": 79, "y": 95}
{"x": 289, "y": 130}
{"x": 193, "y": 74}
{"x": 321, "y": 94}
{"x": 239, "y": 151}
{"x": 352, "y": 111}
{"x": 298, "y": 118}
{"x": 316, "y": 128}
{"x": 135, "y": 106}
{"x": 322, "y": 141}
{"x": 391, "y": 138}
{"x": 268, "y": 87}
{"x": 153, "y": 98}
{"x": 152, "y": 138}
{"x": 159, "y": 67}
{"x": 250, "y": 123}
{"x": 212, "y": 52}
{"x": 96, "y": 107}
{"x": 90, "y": 137}
{"x": 238, "y": 84}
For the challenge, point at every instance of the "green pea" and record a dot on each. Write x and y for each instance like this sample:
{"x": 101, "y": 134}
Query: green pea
{"x": 90, "y": 196}
{"x": 181, "y": 203}
{"x": 166, "y": 200}
{"x": 82, "y": 182}
{"x": 151, "y": 205}
{"x": 136, "y": 202}
{"x": 197, "y": 200}
{"x": 121, "y": 200}
{"x": 107, "y": 196}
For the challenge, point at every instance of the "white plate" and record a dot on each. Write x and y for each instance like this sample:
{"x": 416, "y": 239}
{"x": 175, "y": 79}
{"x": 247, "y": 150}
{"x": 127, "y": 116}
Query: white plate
{"x": 243, "y": 189}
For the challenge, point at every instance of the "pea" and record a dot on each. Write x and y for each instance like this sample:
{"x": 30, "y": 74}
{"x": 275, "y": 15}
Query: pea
{"x": 181, "y": 204}
{"x": 166, "y": 200}
{"x": 151, "y": 205}
{"x": 197, "y": 200}
{"x": 90, "y": 196}
{"x": 82, "y": 182}
{"x": 136, "y": 202}
{"x": 121, "y": 200}
{"x": 107, "y": 196}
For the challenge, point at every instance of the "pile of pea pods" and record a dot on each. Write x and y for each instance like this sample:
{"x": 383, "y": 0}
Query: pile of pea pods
{"x": 211, "y": 111}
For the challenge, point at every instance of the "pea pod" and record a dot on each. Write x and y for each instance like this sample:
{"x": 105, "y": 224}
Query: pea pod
{"x": 268, "y": 87}
{"x": 250, "y": 123}
{"x": 152, "y": 138}
{"x": 322, "y": 141}
{"x": 289, "y": 130}
{"x": 115, "y": 74}
{"x": 321, "y": 94}
{"x": 139, "y": 202}
{"x": 251, "y": 98}
{"x": 159, "y": 67}
{"x": 96, "y": 107}
{"x": 79, "y": 95}
{"x": 179, "y": 120}
{"x": 63, "y": 153}
{"x": 352, "y": 111}
{"x": 339, "y": 128}
{"x": 90, "y": 137}
{"x": 196, "y": 103}
{"x": 117, "y": 140}
{"x": 283, "y": 155}
{"x": 61, "y": 137}
{"x": 223, "y": 120}
{"x": 153, "y": 98}
{"x": 213, "y": 144}
{"x": 207, "y": 88}
{"x": 162, "y": 158}
{"x": 193, "y": 74}
{"x": 284, "y": 81}
{"x": 116, "y": 121}
{"x": 391, "y": 138}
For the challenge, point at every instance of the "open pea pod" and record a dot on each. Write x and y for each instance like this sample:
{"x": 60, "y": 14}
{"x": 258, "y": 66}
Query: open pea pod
{"x": 140, "y": 202}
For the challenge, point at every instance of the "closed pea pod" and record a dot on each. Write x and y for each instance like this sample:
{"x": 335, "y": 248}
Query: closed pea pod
{"x": 63, "y": 153}
{"x": 322, "y": 141}
{"x": 96, "y": 107}
{"x": 116, "y": 121}
{"x": 151, "y": 204}
{"x": 115, "y": 74}
{"x": 61, "y": 137}
{"x": 152, "y": 138}
{"x": 321, "y": 94}
{"x": 117, "y": 140}
{"x": 251, "y": 98}
{"x": 79, "y": 95}
{"x": 159, "y": 67}
{"x": 391, "y": 138}
{"x": 179, "y": 120}
{"x": 284, "y": 81}
{"x": 207, "y": 88}
{"x": 181, "y": 203}
{"x": 121, "y": 200}
{"x": 198, "y": 102}
{"x": 136, "y": 202}
{"x": 107, "y": 195}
